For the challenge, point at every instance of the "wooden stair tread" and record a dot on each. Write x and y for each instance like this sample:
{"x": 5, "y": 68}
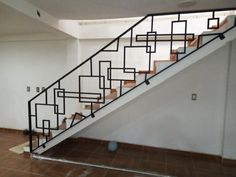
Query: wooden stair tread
{"x": 146, "y": 72}
{"x": 63, "y": 124}
{"x": 129, "y": 85}
{"x": 111, "y": 95}
{"x": 113, "y": 90}
{"x": 95, "y": 106}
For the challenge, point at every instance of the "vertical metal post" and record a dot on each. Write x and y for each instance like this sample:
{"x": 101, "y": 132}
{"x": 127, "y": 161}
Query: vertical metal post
{"x": 30, "y": 126}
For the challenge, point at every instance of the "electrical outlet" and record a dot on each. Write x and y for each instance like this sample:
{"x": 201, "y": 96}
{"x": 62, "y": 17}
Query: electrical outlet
{"x": 28, "y": 88}
{"x": 194, "y": 96}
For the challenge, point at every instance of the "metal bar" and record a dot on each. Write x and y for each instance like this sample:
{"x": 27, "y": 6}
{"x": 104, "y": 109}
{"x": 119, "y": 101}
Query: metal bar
{"x": 165, "y": 37}
{"x": 59, "y": 84}
{"x": 151, "y": 23}
{"x": 121, "y": 88}
{"x": 46, "y": 97}
{"x": 30, "y": 126}
{"x": 91, "y": 107}
{"x": 131, "y": 37}
{"x": 73, "y": 119}
{"x": 178, "y": 16}
{"x": 91, "y": 67}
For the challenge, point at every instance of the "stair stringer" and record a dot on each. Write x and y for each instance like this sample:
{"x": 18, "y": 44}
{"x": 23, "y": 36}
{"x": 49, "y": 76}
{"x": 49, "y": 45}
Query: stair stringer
{"x": 154, "y": 81}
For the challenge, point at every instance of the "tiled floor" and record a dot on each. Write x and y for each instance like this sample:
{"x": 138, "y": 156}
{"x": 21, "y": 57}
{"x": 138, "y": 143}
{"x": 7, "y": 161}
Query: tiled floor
{"x": 160, "y": 161}
{"x": 155, "y": 160}
{"x": 13, "y": 165}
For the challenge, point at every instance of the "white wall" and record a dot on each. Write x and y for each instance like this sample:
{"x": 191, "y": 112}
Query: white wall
{"x": 167, "y": 117}
{"x": 229, "y": 150}
{"x": 22, "y": 64}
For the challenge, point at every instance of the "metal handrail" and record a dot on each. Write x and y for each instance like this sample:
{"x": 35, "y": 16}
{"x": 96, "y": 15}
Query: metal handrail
{"x": 145, "y": 81}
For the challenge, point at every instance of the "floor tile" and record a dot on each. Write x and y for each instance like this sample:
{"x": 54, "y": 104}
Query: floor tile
{"x": 38, "y": 166}
{"x": 123, "y": 161}
{"x": 100, "y": 159}
{"x": 15, "y": 173}
{"x": 15, "y": 163}
{"x": 150, "y": 166}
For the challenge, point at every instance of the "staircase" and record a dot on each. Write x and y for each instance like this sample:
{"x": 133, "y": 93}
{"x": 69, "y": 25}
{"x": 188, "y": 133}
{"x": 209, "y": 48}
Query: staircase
{"x": 110, "y": 78}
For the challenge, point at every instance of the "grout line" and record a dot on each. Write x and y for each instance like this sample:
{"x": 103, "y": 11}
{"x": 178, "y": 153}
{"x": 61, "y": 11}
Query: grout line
{"x": 36, "y": 156}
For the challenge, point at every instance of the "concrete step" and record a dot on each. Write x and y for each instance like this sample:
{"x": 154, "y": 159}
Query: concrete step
{"x": 162, "y": 65}
{"x": 187, "y": 51}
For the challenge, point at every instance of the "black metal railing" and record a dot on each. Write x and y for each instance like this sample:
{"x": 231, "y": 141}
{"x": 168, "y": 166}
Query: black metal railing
{"x": 155, "y": 37}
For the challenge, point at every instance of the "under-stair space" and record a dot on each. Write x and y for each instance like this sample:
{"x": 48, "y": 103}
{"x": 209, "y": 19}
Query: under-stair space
{"x": 113, "y": 77}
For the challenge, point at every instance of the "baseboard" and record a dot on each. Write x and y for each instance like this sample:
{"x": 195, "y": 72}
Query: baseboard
{"x": 9, "y": 130}
{"x": 229, "y": 162}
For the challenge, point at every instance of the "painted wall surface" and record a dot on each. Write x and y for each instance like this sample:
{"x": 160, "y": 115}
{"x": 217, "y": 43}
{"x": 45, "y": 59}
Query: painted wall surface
{"x": 229, "y": 150}
{"x": 22, "y": 64}
{"x": 167, "y": 117}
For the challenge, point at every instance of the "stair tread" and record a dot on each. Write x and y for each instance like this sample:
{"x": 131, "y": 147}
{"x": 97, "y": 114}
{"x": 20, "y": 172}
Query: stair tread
{"x": 111, "y": 95}
{"x": 129, "y": 85}
{"x": 95, "y": 106}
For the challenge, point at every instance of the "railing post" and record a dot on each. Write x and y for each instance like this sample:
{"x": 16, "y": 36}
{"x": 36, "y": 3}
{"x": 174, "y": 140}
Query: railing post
{"x": 30, "y": 126}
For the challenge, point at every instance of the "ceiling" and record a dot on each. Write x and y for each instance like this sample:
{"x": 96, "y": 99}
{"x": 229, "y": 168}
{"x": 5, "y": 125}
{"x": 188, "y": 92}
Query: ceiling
{"x": 105, "y": 9}
{"x": 15, "y": 23}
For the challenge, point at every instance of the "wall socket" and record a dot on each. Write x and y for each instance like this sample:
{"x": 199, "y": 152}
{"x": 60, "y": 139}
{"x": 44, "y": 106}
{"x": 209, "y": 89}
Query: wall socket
{"x": 28, "y": 88}
{"x": 37, "y": 89}
{"x": 194, "y": 96}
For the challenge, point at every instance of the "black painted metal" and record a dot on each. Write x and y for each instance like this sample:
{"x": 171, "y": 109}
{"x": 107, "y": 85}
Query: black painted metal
{"x": 101, "y": 70}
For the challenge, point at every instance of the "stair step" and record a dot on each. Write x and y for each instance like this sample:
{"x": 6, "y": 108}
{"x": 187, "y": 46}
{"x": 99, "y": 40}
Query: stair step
{"x": 86, "y": 112}
{"x": 188, "y": 50}
{"x": 112, "y": 95}
{"x": 141, "y": 78}
{"x": 95, "y": 106}
{"x": 163, "y": 64}
{"x": 26, "y": 149}
{"x": 63, "y": 124}
{"x": 129, "y": 84}
{"x": 56, "y": 132}
{"x": 141, "y": 72}
{"x": 173, "y": 55}
{"x": 70, "y": 119}
{"x": 125, "y": 89}
{"x": 113, "y": 90}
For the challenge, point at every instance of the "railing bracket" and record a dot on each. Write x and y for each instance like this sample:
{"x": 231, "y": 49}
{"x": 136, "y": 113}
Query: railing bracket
{"x": 221, "y": 36}
{"x": 147, "y": 82}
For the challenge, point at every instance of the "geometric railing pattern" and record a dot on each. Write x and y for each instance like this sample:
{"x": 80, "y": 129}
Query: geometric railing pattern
{"x": 174, "y": 34}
